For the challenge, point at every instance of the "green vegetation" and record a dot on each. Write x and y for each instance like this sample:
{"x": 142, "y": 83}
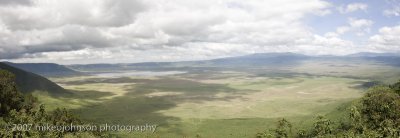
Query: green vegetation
{"x": 28, "y": 82}
{"x": 239, "y": 105}
{"x": 374, "y": 115}
{"x": 308, "y": 100}
{"x": 20, "y": 115}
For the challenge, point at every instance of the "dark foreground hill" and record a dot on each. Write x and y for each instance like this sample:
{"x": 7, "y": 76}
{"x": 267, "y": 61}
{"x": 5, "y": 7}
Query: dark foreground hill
{"x": 29, "y": 82}
{"x": 46, "y": 69}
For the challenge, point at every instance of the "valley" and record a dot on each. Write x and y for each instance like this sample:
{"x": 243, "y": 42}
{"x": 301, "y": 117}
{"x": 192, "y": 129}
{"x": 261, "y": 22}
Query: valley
{"x": 216, "y": 101}
{"x": 199, "y": 69}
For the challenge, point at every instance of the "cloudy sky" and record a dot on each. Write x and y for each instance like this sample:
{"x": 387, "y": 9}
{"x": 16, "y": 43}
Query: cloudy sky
{"x": 114, "y": 31}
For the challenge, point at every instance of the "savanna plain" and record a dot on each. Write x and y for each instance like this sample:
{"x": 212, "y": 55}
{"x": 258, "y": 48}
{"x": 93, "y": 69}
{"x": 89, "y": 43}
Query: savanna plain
{"x": 207, "y": 101}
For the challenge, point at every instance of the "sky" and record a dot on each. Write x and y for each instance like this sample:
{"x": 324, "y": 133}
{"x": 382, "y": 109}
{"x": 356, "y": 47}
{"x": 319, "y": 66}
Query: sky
{"x": 128, "y": 31}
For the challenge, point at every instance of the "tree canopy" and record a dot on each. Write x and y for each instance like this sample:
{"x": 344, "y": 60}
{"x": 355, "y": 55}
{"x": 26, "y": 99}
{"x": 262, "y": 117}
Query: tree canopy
{"x": 22, "y": 109}
{"x": 376, "y": 114}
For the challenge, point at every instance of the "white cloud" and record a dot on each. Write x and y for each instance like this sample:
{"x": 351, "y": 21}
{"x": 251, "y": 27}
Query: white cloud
{"x": 358, "y": 23}
{"x": 331, "y": 34}
{"x": 352, "y": 7}
{"x": 388, "y": 39}
{"x": 395, "y": 11}
{"x": 358, "y": 26}
{"x": 44, "y": 14}
{"x": 15, "y": 2}
{"x": 342, "y": 29}
{"x": 323, "y": 12}
{"x": 78, "y": 31}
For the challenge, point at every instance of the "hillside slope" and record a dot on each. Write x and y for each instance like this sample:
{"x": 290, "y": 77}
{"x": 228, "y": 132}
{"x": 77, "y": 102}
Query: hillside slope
{"x": 45, "y": 69}
{"x": 29, "y": 82}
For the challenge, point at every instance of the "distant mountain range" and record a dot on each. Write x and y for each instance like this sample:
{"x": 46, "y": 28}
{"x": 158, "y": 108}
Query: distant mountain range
{"x": 369, "y": 54}
{"x": 46, "y": 69}
{"x": 274, "y": 59}
{"x": 29, "y": 82}
{"x": 258, "y": 59}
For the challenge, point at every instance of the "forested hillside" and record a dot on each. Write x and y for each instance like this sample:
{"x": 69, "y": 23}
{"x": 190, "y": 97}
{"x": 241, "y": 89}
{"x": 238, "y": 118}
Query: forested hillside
{"x": 29, "y": 82}
{"x": 20, "y": 114}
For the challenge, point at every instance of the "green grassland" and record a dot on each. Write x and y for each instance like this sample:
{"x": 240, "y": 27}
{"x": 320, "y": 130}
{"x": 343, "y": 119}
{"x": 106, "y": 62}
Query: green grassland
{"x": 351, "y": 69}
{"x": 218, "y": 103}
